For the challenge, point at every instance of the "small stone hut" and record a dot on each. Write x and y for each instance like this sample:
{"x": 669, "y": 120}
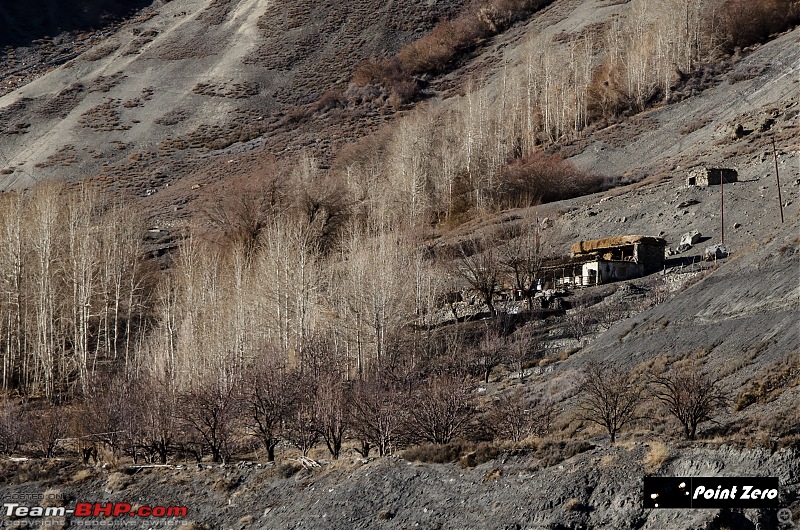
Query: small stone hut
{"x": 619, "y": 258}
{"x": 711, "y": 176}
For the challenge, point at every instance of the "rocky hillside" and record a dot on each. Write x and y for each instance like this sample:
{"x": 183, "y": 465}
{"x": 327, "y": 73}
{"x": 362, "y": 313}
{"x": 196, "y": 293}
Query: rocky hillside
{"x": 166, "y": 106}
{"x": 182, "y": 78}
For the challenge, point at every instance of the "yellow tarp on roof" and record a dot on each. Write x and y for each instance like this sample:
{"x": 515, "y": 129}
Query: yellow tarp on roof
{"x": 594, "y": 245}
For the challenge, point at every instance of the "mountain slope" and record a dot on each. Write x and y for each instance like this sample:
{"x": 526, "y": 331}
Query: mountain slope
{"x": 189, "y": 75}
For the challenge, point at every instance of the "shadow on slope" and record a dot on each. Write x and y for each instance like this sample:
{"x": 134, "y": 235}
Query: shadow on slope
{"x": 21, "y": 23}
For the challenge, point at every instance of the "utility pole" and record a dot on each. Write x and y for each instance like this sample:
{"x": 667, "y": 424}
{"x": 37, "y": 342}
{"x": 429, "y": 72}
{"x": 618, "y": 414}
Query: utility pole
{"x": 722, "y": 204}
{"x": 777, "y": 178}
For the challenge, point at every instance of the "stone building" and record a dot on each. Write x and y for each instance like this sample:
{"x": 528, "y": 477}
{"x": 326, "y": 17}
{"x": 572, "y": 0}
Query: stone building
{"x": 711, "y": 176}
{"x": 618, "y": 258}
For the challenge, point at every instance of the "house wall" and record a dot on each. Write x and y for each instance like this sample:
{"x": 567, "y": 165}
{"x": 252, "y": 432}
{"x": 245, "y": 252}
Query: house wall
{"x": 711, "y": 176}
{"x": 651, "y": 257}
{"x": 603, "y": 271}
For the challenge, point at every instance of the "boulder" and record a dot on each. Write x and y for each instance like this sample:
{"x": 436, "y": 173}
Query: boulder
{"x": 715, "y": 252}
{"x": 690, "y": 238}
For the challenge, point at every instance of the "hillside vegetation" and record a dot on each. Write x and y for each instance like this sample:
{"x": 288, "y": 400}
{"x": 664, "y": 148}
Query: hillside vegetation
{"x": 334, "y": 253}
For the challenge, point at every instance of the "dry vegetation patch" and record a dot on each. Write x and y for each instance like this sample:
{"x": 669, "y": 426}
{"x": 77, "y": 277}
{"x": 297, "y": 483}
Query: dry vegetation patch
{"x": 63, "y": 103}
{"x": 775, "y": 380}
{"x": 100, "y": 51}
{"x": 106, "y": 116}
{"x": 216, "y": 13}
{"x": 104, "y": 83}
{"x": 66, "y": 156}
{"x": 655, "y": 457}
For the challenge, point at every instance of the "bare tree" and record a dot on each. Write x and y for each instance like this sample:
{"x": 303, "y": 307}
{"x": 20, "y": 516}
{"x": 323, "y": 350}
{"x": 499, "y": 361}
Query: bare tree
{"x": 241, "y": 218}
{"x": 522, "y": 262}
{"x": 106, "y": 407}
{"x": 331, "y": 402}
{"x": 690, "y": 395}
{"x": 580, "y": 318}
{"x": 210, "y": 409}
{"x": 377, "y": 414}
{"x": 302, "y": 429}
{"x": 271, "y": 398}
{"x": 491, "y": 351}
{"x": 522, "y": 348}
{"x": 513, "y": 417}
{"x": 11, "y": 426}
{"x": 477, "y": 264}
{"x": 609, "y": 396}
{"x": 440, "y": 410}
{"x": 48, "y": 427}
{"x": 155, "y": 402}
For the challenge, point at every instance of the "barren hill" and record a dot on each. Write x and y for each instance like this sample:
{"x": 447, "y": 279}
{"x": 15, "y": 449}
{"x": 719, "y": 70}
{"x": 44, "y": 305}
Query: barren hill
{"x": 186, "y": 76}
{"x": 176, "y": 105}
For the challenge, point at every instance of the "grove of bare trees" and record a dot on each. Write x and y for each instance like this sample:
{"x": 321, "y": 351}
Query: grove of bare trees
{"x": 299, "y": 310}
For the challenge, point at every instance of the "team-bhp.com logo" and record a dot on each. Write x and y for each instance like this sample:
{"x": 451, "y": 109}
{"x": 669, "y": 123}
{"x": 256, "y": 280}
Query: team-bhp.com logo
{"x": 95, "y": 509}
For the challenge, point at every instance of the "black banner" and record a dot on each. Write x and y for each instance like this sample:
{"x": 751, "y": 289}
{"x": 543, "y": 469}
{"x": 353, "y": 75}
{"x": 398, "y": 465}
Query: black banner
{"x": 711, "y": 492}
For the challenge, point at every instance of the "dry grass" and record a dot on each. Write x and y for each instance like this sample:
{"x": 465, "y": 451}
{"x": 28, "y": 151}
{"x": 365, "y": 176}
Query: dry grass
{"x": 82, "y": 475}
{"x": 100, "y": 51}
{"x": 117, "y": 482}
{"x": 241, "y": 90}
{"x": 657, "y": 455}
{"x": 574, "y": 505}
{"x": 104, "y": 117}
{"x": 775, "y": 380}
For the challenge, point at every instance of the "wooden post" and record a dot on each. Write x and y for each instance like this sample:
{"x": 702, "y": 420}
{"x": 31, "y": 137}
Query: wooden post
{"x": 722, "y": 204}
{"x": 777, "y": 177}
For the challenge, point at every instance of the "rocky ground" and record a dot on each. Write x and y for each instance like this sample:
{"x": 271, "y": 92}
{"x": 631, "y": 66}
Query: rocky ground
{"x": 599, "y": 487}
{"x": 121, "y": 108}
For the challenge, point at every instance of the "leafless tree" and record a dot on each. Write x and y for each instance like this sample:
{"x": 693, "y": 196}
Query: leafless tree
{"x": 106, "y": 412}
{"x": 48, "y": 426}
{"x": 155, "y": 416}
{"x": 11, "y": 426}
{"x": 241, "y": 218}
{"x": 513, "y": 417}
{"x": 332, "y": 417}
{"x": 609, "y": 396}
{"x": 522, "y": 262}
{"x": 690, "y": 395}
{"x": 477, "y": 264}
{"x": 440, "y": 410}
{"x": 271, "y": 397}
{"x": 302, "y": 428}
{"x": 580, "y": 318}
{"x": 522, "y": 348}
{"x": 377, "y": 414}
{"x": 492, "y": 350}
{"x": 610, "y": 312}
{"x": 211, "y": 409}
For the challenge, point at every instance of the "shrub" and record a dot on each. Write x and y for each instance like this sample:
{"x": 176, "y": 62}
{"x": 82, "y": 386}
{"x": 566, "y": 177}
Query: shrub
{"x": 539, "y": 178}
{"x": 437, "y": 453}
{"x": 484, "y": 452}
{"x": 743, "y": 23}
{"x": 437, "y": 51}
{"x": 656, "y": 456}
{"x": 777, "y": 378}
{"x": 288, "y": 470}
{"x": 574, "y": 505}
{"x": 551, "y": 453}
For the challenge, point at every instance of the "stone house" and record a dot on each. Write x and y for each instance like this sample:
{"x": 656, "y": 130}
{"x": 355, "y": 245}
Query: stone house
{"x": 618, "y": 258}
{"x": 711, "y": 176}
